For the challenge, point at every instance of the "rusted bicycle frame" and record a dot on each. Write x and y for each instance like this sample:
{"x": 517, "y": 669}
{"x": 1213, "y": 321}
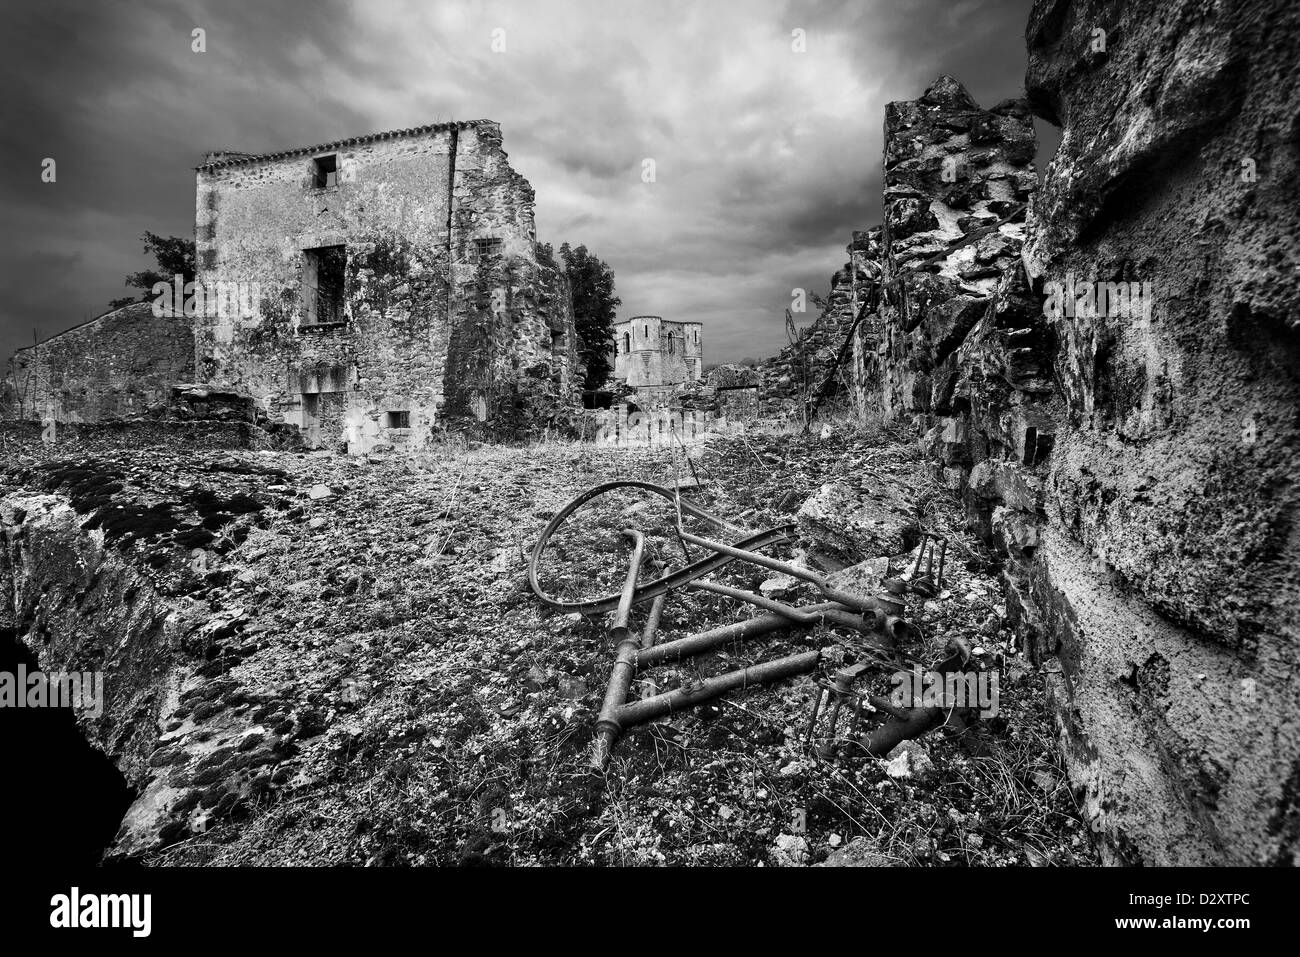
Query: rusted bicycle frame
{"x": 878, "y": 619}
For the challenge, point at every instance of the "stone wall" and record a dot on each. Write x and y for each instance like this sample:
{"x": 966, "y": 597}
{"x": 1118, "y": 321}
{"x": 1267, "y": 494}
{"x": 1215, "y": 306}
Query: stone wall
{"x": 1133, "y": 459}
{"x": 957, "y": 179}
{"x": 435, "y": 324}
{"x": 1173, "y": 480}
{"x": 118, "y": 365}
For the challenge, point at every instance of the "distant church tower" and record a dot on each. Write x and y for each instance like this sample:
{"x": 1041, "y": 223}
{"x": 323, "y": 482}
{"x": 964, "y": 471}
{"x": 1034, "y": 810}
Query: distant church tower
{"x": 653, "y": 354}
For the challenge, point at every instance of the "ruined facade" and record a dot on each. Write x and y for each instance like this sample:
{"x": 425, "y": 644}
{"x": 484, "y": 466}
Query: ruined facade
{"x": 1106, "y": 370}
{"x": 399, "y": 288}
{"x": 652, "y": 355}
{"x": 118, "y": 365}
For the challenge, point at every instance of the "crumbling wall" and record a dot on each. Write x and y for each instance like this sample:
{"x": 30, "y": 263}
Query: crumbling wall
{"x": 792, "y": 377}
{"x": 496, "y": 377}
{"x": 512, "y": 354}
{"x": 1170, "y": 563}
{"x": 957, "y": 178}
{"x": 1110, "y": 383}
{"x": 956, "y": 348}
{"x": 118, "y": 365}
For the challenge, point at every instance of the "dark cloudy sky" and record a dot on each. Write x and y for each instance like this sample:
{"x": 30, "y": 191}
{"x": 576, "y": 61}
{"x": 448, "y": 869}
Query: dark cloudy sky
{"x": 766, "y": 158}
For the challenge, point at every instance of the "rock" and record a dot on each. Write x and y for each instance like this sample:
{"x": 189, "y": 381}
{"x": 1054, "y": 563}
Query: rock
{"x": 789, "y": 501}
{"x": 639, "y": 507}
{"x": 317, "y": 523}
{"x": 859, "y": 852}
{"x": 995, "y": 481}
{"x": 778, "y": 586}
{"x": 789, "y": 850}
{"x": 571, "y": 687}
{"x": 851, "y": 524}
{"x": 1018, "y": 530}
{"x": 505, "y": 560}
{"x": 862, "y": 579}
{"x": 319, "y": 491}
{"x": 1044, "y": 779}
{"x": 909, "y": 759}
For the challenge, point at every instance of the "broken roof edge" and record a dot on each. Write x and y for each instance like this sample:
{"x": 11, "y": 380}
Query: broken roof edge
{"x": 241, "y": 159}
{"x": 83, "y": 324}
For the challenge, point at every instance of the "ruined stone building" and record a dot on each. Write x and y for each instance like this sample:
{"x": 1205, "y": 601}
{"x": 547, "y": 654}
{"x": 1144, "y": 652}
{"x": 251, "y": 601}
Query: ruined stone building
{"x": 368, "y": 291}
{"x": 654, "y": 355}
{"x": 117, "y": 365}
{"x": 399, "y": 285}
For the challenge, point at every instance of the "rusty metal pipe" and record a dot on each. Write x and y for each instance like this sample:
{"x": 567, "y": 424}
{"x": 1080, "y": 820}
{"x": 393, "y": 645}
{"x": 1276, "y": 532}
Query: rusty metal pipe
{"x": 619, "y": 630}
{"x": 716, "y": 637}
{"x": 620, "y": 676}
{"x": 651, "y": 629}
{"x": 881, "y": 703}
{"x": 918, "y": 721}
{"x": 890, "y": 607}
{"x": 648, "y": 709}
{"x": 833, "y": 614}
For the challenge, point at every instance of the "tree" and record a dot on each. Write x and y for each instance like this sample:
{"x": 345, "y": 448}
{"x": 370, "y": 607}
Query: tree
{"x": 594, "y": 305}
{"x": 175, "y": 257}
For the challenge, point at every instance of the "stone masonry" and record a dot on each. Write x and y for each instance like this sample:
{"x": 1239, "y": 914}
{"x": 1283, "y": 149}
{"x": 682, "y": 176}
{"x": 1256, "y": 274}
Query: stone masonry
{"x": 1168, "y": 565}
{"x": 118, "y": 365}
{"x": 1106, "y": 370}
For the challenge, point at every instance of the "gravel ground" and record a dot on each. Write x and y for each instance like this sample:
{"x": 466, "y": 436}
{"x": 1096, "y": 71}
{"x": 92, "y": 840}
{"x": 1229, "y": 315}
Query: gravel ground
{"x": 426, "y": 709}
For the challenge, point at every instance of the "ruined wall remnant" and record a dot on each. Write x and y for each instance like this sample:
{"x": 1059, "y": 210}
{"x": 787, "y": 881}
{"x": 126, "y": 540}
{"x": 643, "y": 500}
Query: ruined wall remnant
{"x": 955, "y": 348}
{"x": 1109, "y": 379}
{"x": 957, "y": 179}
{"x": 1174, "y": 474}
{"x": 399, "y": 284}
{"x": 118, "y": 365}
{"x": 815, "y": 359}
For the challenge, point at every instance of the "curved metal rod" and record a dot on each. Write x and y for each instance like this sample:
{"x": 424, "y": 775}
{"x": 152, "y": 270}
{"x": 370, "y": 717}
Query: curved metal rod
{"x": 659, "y": 586}
{"x": 618, "y": 631}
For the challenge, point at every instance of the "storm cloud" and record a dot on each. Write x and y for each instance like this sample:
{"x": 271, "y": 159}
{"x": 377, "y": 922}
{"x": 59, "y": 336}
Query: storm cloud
{"x": 765, "y": 158}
